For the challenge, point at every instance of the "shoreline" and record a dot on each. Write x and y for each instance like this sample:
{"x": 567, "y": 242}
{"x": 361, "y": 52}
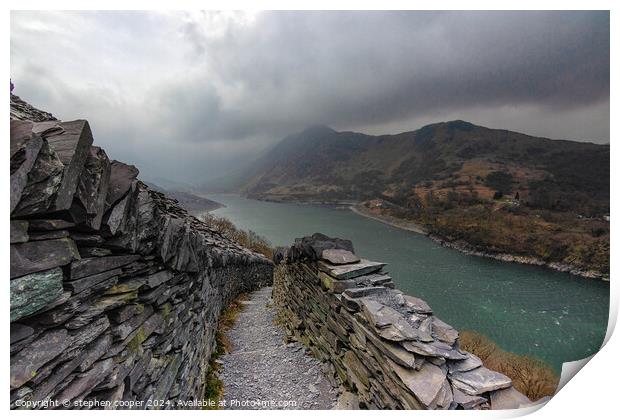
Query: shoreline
{"x": 466, "y": 248}
{"x": 390, "y": 221}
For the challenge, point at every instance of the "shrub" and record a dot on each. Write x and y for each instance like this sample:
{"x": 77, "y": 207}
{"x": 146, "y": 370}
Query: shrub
{"x": 530, "y": 376}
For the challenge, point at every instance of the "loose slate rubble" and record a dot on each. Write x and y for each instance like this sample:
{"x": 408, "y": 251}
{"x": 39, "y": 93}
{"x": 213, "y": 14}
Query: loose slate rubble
{"x": 115, "y": 289}
{"x": 387, "y": 349}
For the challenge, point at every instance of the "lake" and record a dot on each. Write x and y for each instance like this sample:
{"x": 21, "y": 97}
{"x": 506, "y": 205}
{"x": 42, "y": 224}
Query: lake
{"x": 554, "y": 316}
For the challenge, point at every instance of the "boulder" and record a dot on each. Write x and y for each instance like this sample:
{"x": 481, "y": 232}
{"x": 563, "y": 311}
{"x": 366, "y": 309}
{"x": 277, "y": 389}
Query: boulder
{"x": 31, "y": 257}
{"x": 33, "y": 292}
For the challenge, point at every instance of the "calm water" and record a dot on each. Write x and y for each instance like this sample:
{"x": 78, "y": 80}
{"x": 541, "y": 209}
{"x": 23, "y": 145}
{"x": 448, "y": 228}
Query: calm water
{"x": 527, "y": 310}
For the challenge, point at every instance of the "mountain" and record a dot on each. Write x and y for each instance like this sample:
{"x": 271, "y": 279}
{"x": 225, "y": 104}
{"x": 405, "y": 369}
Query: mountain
{"x": 320, "y": 163}
{"x": 460, "y": 181}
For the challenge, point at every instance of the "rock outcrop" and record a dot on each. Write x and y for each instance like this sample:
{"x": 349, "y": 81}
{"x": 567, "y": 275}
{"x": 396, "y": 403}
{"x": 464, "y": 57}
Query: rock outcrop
{"x": 386, "y": 348}
{"x": 115, "y": 290}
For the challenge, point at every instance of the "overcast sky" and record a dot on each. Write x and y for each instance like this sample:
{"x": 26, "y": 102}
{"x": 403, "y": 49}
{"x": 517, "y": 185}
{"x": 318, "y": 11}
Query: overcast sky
{"x": 188, "y": 96}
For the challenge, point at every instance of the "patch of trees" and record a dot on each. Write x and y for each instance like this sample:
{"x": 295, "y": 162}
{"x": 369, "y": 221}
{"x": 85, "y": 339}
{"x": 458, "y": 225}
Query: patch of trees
{"x": 500, "y": 181}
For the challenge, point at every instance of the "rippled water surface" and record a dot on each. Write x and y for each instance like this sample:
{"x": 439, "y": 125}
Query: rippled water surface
{"x": 527, "y": 310}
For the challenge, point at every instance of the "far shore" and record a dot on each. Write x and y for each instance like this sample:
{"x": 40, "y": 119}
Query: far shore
{"x": 469, "y": 250}
{"x": 389, "y": 220}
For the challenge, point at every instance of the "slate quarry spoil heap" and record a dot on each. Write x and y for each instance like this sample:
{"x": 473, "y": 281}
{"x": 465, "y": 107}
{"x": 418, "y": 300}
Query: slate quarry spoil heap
{"x": 385, "y": 347}
{"x": 115, "y": 290}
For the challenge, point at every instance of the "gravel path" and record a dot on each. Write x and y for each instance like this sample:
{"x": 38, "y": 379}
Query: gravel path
{"x": 263, "y": 372}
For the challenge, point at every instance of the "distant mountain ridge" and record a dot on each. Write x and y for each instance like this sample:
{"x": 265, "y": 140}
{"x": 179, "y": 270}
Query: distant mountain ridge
{"x": 320, "y": 163}
{"x": 484, "y": 191}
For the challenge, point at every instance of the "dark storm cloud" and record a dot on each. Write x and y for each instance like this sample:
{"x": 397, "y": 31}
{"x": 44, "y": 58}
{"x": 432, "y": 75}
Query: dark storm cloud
{"x": 206, "y": 91}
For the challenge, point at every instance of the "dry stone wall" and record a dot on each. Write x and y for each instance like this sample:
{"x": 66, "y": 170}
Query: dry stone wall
{"x": 115, "y": 290}
{"x": 386, "y": 348}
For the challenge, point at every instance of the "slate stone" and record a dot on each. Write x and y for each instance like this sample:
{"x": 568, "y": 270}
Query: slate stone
{"x": 466, "y": 401}
{"x": 508, "y": 399}
{"x": 97, "y": 307}
{"x": 94, "y": 351}
{"x": 479, "y": 381}
{"x": 471, "y": 362}
{"x": 22, "y": 110}
{"x": 425, "y": 383}
{"x": 19, "y": 231}
{"x": 43, "y": 182}
{"x": 93, "y": 188}
{"x": 20, "y": 332}
{"x": 416, "y": 305}
{"x": 49, "y": 224}
{"x": 121, "y": 178}
{"x": 388, "y": 323}
{"x": 54, "y": 234}
{"x": 84, "y": 336}
{"x": 84, "y": 283}
{"x": 123, "y": 330}
{"x": 349, "y": 271}
{"x": 360, "y": 292}
{"x": 45, "y": 128}
{"x": 393, "y": 351}
{"x": 444, "y": 398}
{"x": 156, "y": 279}
{"x": 87, "y": 381}
{"x": 33, "y": 292}
{"x": 65, "y": 371}
{"x": 124, "y": 313}
{"x": 115, "y": 217}
{"x": 444, "y": 332}
{"x": 25, "y": 364}
{"x": 339, "y": 256}
{"x": 434, "y": 349}
{"x": 94, "y": 252}
{"x": 24, "y": 151}
{"x": 71, "y": 146}
{"x": 89, "y": 266}
{"x": 31, "y": 257}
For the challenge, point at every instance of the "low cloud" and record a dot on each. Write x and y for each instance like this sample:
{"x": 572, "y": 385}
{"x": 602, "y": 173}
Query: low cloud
{"x": 188, "y": 96}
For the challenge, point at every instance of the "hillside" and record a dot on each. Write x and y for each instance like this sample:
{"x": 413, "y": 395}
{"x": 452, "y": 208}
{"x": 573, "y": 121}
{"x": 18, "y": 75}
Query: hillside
{"x": 194, "y": 204}
{"x": 497, "y": 191}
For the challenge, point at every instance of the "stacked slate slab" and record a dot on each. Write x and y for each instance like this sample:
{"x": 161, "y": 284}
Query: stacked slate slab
{"x": 386, "y": 348}
{"x": 115, "y": 290}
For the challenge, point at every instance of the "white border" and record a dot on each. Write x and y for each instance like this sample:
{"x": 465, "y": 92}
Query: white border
{"x": 591, "y": 394}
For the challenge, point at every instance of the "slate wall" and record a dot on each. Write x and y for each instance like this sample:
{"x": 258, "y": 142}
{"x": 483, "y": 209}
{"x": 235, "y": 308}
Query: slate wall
{"x": 386, "y": 348}
{"x": 115, "y": 289}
